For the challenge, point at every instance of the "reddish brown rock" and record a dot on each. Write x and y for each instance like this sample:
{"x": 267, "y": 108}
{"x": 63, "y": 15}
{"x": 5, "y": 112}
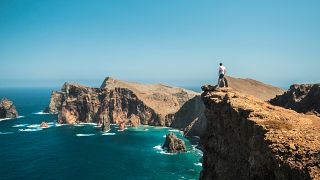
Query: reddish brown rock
{"x": 127, "y": 102}
{"x": 7, "y": 109}
{"x": 247, "y": 138}
{"x": 122, "y": 126}
{"x": 174, "y": 144}
{"x": 44, "y": 125}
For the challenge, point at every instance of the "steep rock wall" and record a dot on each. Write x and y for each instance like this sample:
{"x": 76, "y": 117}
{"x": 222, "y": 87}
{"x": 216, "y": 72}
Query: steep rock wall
{"x": 247, "y": 138}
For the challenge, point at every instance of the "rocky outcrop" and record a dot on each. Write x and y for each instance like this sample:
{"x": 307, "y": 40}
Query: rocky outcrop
{"x": 55, "y": 102}
{"x": 130, "y": 104}
{"x": 44, "y": 125}
{"x": 7, "y": 109}
{"x": 174, "y": 144}
{"x": 247, "y": 138}
{"x": 304, "y": 98}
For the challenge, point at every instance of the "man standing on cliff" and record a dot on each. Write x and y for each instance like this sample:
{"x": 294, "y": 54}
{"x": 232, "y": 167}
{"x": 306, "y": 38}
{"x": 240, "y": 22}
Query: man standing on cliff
{"x": 222, "y": 72}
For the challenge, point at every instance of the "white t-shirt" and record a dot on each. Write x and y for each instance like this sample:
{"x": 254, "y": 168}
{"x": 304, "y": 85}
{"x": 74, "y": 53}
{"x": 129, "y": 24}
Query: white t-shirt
{"x": 222, "y": 70}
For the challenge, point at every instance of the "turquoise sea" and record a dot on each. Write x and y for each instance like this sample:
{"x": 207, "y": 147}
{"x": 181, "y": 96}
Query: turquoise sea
{"x": 82, "y": 151}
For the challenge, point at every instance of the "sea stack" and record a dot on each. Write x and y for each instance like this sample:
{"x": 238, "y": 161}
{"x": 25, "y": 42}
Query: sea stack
{"x": 105, "y": 127}
{"x": 174, "y": 144}
{"x": 248, "y": 138}
{"x": 7, "y": 109}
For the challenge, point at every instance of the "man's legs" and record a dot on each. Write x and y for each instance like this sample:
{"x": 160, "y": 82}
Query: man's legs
{"x": 225, "y": 82}
{"x": 219, "y": 81}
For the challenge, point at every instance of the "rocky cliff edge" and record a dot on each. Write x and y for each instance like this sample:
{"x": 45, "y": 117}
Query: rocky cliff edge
{"x": 247, "y": 138}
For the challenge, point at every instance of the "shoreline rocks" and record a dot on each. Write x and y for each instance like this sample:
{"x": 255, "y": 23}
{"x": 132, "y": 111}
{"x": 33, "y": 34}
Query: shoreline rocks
{"x": 7, "y": 109}
{"x": 44, "y": 125}
{"x": 248, "y": 138}
{"x": 174, "y": 144}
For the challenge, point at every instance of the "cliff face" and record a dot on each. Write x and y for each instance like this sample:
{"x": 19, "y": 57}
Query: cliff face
{"x": 247, "y": 138}
{"x": 304, "y": 98}
{"x": 129, "y": 103}
{"x": 7, "y": 109}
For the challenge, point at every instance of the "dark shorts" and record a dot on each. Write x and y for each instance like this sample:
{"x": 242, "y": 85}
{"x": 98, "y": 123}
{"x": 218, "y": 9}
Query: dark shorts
{"x": 221, "y": 76}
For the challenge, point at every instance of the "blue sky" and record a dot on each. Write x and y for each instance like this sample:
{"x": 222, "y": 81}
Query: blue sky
{"x": 179, "y": 42}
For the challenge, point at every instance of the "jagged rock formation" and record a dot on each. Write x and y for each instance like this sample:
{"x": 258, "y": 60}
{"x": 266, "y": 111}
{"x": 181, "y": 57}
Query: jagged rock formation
{"x": 254, "y": 88}
{"x": 304, "y": 98}
{"x": 174, "y": 144}
{"x": 129, "y": 103}
{"x": 7, "y": 109}
{"x": 247, "y": 138}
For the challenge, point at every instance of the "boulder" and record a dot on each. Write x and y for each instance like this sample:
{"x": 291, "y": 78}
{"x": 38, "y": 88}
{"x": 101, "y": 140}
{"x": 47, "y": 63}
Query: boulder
{"x": 44, "y": 125}
{"x": 174, "y": 144}
{"x": 7, "y": 109}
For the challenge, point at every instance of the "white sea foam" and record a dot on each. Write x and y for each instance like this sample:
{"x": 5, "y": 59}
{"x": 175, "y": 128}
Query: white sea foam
{"x": 164, "y": 136}
{"x": 30, "y": 130}
{"x": 11, "y": 118}
{"x": 108, "y": 134}
{"x": 40, "y": 113}
{"x": 82, "y": 135}
{"x": 20, "y": 125}
{"x": 3, "y": 133}
{"x": 78, "y": 125}
{"x": 198, "y": 164}
{"x": 122, "y": 130}
{"x": 160, "y": 150}
{"x": 58, "y": 125}
{"x": 174, "y": 130}
{"x": 98, "y": 126}
{"x": 93, "y": 124}
{"x": 34, "y": 126}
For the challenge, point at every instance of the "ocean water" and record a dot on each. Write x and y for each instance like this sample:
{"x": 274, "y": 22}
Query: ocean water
{"x": 82, "y": 151}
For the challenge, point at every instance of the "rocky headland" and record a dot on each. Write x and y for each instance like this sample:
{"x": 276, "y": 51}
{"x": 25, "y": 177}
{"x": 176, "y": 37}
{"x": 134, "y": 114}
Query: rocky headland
{"x": 129, "y": 104}
{"x": 132, "y": 104}
{"x": 7, "y": 109}
{"x": 303, "y": 98}
{"x": 248, "y": 138}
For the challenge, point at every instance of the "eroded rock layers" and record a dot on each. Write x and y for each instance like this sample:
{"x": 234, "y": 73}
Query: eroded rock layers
{"x": 247, "y": 138}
